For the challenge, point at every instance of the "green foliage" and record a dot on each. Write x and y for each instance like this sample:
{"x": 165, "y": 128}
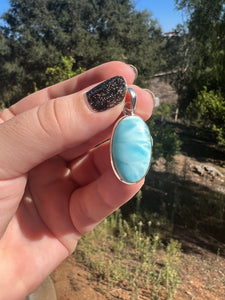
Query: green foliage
{"x": 175, "y": 50}
{"x": 63, "y": 71}
{"x": 166, "y": 142}
{"x": 203, "y": 67}
{"x": 208, "y": 110}
{"x": 39, "y": 32}
{"x": 165, "y": 111}
{"x": 120, "y": 252}
{"x": 203, "y": 49}
{"x": 2, "y": 105}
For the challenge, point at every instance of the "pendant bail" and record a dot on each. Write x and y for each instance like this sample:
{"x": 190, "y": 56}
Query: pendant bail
{"x": 132, "y": 105}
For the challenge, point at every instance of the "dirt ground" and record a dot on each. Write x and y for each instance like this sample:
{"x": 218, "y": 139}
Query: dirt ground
{"x": 202, "y": 278}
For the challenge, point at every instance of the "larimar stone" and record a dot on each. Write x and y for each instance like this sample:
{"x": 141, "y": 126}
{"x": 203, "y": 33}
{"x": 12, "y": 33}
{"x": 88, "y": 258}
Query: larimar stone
{"x": 131, "y": 149}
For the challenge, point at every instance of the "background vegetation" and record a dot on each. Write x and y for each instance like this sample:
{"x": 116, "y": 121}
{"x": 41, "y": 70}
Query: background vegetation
{"x": 46, "y": 41}
{"x": 39, "y": 34}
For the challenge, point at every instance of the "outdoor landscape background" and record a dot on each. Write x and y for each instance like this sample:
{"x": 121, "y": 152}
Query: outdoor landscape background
{"x": 167, "y": 242}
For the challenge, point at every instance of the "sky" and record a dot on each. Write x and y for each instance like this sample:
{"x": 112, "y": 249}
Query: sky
{"x": 163, "y": 10}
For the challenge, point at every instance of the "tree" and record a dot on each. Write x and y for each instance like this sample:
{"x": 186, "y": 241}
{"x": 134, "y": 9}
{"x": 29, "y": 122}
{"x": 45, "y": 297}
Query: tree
{"x": 200, "y": 82}
{"x": 9, "y": 71}
{"x": 63, "y": 71}
{"x": 204, "y": 55}
{"x": 166, "y": 142}
{"x": 40, "y": 32}
{"x": 208, "y": 110}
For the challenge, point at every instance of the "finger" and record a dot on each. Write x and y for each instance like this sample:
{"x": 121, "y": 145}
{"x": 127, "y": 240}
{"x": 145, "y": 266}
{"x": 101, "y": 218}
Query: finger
{"x": 55, "y": 126}
{"x": 90, "y": 204}
{"x": 144, "y": 108}
{"x": 96, "y": 161}
{"x": 71, "y": 86}
{"x": 51, "y": 186}
{"x": 144, "y": 104}
{"x": 93, "y": 76}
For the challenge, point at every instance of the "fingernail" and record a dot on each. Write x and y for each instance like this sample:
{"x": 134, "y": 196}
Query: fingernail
{"x": 135, "y": 71}
{"x": 152, "y": 94}
{"x": 107, "y": 94}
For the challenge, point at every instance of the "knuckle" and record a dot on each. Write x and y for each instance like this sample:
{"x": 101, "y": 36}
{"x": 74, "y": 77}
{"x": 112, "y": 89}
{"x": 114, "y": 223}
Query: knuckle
{"x": 50, "y": 120}
{"x": 6, "y": 114}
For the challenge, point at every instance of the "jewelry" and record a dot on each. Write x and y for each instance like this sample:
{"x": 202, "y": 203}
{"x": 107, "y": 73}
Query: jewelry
{"x": 131, "y": 145}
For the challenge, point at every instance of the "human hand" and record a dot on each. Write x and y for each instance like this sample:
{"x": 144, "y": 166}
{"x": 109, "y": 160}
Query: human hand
{"x": 54, "y": 185}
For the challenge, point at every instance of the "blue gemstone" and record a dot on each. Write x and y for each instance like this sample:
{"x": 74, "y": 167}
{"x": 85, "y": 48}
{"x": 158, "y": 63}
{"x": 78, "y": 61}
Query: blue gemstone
{"x": 131, "y": 149}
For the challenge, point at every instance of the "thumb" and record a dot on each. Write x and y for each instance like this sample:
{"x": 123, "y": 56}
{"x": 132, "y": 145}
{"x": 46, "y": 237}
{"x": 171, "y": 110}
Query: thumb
{"x": 57, "y": 125}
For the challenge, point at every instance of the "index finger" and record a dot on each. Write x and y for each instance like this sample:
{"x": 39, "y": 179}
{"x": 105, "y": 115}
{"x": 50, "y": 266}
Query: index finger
{"x": 75, "y": 84}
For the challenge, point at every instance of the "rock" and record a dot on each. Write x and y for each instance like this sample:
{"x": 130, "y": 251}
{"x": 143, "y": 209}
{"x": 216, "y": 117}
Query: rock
{"x": 197, "y": 169}
{"x": 206, "y": 170}
{"x": 212, "y": 171}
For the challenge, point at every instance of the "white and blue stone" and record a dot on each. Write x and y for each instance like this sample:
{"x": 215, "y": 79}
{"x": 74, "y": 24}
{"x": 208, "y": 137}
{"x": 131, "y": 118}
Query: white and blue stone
{"x": 131, "y": 149}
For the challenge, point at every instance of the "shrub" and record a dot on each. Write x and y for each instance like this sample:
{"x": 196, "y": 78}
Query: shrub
{"x": 165, "y": 140}
{"x": 208, "y": 111}
{"x": 63, "y": 71}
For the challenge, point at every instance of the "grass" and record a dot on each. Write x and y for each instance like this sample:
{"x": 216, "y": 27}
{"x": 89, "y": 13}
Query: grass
{"x": 130, "y": 254}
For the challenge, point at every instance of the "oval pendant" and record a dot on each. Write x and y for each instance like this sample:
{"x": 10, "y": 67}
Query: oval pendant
{"x": 131, "y": 149}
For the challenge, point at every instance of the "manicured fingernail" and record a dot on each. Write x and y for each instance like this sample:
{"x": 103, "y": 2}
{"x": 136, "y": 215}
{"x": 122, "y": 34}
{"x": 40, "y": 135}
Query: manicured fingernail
{"x": 135, "y": 71}
{"x": 152, "y": 94}
{"x": 107, "y": 94}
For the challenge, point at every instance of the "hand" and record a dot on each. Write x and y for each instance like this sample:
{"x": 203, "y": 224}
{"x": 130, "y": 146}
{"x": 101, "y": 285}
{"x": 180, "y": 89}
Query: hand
{"x": 54, "y": 185}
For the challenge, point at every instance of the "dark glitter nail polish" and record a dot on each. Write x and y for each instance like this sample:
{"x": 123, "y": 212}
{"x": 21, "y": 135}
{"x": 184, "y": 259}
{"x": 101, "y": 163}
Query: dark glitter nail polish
{"x": 107, "y": 94}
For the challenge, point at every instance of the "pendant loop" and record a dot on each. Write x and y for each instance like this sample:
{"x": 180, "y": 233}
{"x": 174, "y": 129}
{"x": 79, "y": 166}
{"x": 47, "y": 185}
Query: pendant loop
{"x": 131, "y": 110}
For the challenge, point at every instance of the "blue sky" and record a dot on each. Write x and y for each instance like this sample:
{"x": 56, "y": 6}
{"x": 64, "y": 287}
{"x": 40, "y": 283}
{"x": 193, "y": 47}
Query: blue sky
{"x": 163, "y": 10}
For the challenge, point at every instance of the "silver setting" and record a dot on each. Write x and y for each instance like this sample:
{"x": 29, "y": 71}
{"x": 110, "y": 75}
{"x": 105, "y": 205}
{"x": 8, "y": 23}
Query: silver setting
{"x": 129, "y": 108}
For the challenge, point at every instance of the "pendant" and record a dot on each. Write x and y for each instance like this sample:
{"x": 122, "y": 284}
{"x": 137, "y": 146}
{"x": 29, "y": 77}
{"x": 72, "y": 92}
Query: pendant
{"x": 131, "y": 145}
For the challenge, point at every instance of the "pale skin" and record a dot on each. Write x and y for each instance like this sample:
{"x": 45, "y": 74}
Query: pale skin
{"x": 54, "y": 186}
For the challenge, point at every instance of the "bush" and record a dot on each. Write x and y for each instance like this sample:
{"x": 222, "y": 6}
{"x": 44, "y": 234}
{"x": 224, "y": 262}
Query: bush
{"x": 208, "y": 111}
{"x": 166, "y": 141}
{"x": 165, "y": 111}
{"x": 63, "y": 71}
